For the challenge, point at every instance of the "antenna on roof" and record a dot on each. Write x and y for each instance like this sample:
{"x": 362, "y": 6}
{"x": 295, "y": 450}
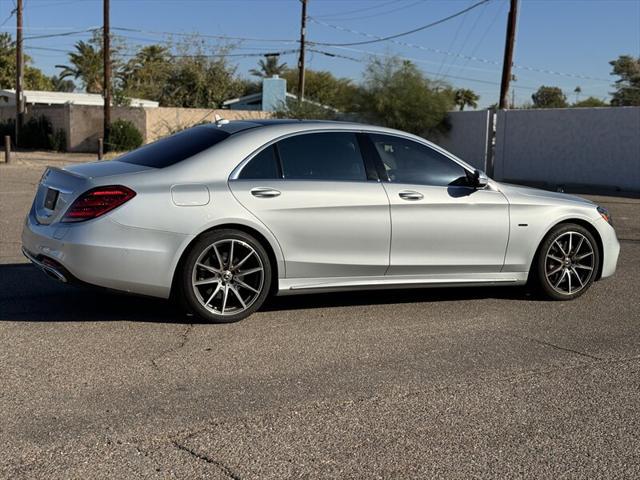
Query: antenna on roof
{"x": 218, "y": 120}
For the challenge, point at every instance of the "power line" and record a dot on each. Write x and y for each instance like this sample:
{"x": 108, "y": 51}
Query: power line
{"x": 445, "y": 52}
{"x": 386, "y": 12}
{"x": 223, "y": 37}
{"x": 214, "y": 55}
{"x": 455, "y": 38}
{"x": 409, "y": 32}
{"x": 63, "y": 34}
{"x": 466, "y": 38}
{"x": 484, "y": 35}
{"x": 11, "y": 14}
{"x": 419, "y": 60}
{"x": 365, "y": 9}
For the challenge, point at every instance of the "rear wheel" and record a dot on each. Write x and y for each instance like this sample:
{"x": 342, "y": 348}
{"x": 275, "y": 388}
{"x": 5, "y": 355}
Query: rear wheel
{"x": 567, "y": 262}
{"x": 226, "y": 276}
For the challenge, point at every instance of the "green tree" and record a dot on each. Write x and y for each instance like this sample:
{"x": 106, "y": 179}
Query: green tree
{"x": 590, "y": 102}
{"x": 628, "y": 85}
{"x": 396, "y": 94}
{"x": 323, "y": 87}
{"x": 465, "y": 97}
{"x": 306, "y": 111}
{"x": 269, "y": 67}
{"x": 145, "y": 75}
{"x": 250, "y": 87}
{"x": 549, "y": 97}
{"x": 200, "y": 77}
{"x": 34, "y": 79}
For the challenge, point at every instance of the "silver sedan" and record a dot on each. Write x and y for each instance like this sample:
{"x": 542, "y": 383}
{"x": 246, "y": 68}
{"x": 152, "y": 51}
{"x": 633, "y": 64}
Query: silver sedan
{"x": 222, "y": 215}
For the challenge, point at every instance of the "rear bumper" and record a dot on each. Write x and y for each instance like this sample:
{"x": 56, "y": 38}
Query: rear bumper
{"x": 105, "y": 253}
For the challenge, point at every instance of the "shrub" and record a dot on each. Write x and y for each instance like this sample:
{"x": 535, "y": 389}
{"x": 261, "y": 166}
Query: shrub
{"x": 37, "y": 132}
{"x": 124, "y": 136}
{"x": 7, "y": 127}
{"x": 58, "y": 141}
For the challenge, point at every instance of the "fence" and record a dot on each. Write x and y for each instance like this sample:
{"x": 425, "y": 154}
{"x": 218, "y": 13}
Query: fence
{"x": 597, "y": 148}
{"x": 82, "y": 124}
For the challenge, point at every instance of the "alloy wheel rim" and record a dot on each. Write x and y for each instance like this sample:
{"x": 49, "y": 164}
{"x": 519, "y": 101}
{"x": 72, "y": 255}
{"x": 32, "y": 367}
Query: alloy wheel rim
{"x": 569, "y": 263}
{"x": 228, "y": 277}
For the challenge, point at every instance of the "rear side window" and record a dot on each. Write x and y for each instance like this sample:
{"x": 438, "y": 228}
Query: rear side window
{"x": 322, "y": 156}
{"x": 176, "y": 148}
{"x": 263, "y": 166}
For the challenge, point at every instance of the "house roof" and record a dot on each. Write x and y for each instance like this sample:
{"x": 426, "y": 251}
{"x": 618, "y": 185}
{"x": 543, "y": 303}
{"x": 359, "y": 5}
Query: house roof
{"x": 257, "y": 98}
{"x": 74, "y": 98}
{"x": 244, "y": 99}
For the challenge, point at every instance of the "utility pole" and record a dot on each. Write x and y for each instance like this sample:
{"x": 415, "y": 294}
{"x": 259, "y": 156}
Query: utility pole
{"x": 106, "y": 88}
{"x": 303, "y": 28}
{"x": 19, "y": 71}
{"x": 508, "y": 54}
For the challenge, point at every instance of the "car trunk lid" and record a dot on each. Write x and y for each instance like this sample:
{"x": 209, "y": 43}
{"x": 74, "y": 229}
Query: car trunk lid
{"x": 59, "y": 187}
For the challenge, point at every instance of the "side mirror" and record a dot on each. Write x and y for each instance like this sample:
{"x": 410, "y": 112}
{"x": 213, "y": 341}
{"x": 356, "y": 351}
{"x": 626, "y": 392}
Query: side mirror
{"x": 480, "y": 179}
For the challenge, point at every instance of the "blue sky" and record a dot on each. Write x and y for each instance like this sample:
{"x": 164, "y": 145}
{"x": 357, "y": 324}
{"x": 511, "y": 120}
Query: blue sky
{"x": 559, "y": 42}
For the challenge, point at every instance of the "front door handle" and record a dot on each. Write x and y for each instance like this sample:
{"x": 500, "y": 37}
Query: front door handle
{"x": 264, "y": 192}
{"x": 410, "y": 195}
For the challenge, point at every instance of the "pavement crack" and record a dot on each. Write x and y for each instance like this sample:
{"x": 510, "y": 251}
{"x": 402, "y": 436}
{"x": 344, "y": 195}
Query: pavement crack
{"x": 564, "y": 349}
{"x": 205, "y": 458}
{"x": 557, "y": 347}
{"x": 184, "y": 336}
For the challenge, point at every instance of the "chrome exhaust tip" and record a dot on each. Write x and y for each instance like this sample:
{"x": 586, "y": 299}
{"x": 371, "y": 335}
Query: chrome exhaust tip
{"x": 46, "y": 266}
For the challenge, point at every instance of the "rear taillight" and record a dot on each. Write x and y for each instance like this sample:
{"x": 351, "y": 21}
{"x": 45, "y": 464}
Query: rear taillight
{"x": 97, "y": 201}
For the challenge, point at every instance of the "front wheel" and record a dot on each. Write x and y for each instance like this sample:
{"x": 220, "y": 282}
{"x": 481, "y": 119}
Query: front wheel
{"x": 567, "y": 262}
{"x": 226, "y": 276}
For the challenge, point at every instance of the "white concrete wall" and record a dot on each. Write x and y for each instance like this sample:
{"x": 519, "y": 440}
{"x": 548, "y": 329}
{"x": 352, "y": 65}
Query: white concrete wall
{"x": 467, "y": 138}
{"x": 597, "y": 147}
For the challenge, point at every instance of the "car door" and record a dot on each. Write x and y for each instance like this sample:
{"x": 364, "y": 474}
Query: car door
{"x": 326, "y": 208}
{"x": 440, "y": 223}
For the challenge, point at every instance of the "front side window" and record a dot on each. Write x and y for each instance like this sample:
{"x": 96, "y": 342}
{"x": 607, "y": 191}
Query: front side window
{"x": 407, "y": 161}
{"x": 322, "y": 156}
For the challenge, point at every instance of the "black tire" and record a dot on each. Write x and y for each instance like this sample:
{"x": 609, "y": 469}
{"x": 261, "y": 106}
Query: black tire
{"x": 203, "y": 252}
{"x": 578, "y": 269}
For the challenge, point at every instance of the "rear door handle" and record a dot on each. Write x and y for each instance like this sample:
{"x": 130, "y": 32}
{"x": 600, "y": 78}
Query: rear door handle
{"x": 410, "y": 195}
{"x": 264, "y": 192}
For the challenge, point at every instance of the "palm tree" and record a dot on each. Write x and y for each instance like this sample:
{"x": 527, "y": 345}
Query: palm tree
{"x": 146, "y": 74}
{"x": 269, "y": 68}
{"x": 86, "y": 65}
{"x": 464, "y": 97}
{"x": 61, "y": 84}
{"x": 577, "y": 91}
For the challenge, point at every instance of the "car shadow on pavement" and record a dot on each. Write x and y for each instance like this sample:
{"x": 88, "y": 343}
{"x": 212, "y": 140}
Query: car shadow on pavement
{"x": 28, "y": 295}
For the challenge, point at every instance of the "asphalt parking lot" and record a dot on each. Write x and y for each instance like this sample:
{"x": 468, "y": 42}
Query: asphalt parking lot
{"x": 467, "y": 383}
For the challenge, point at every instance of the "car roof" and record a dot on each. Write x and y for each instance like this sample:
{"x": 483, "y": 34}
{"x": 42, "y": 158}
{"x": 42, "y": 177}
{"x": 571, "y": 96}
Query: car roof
{"x": 236, "y": 126}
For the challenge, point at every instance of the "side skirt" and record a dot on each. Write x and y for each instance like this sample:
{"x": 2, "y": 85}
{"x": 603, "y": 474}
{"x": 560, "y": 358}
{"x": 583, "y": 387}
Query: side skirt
{"x": 293, "y": 286}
